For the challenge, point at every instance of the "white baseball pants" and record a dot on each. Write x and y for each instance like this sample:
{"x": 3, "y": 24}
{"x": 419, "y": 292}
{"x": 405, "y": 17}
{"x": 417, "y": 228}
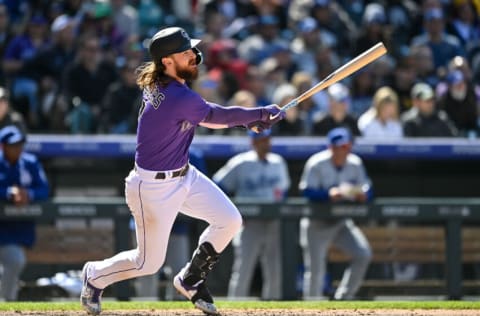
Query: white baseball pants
{"x": 178, "y": 252}
{"x": 155, "y": 205}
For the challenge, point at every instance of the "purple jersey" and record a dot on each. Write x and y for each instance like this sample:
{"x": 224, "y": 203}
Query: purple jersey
{"x": 166, "y": 126}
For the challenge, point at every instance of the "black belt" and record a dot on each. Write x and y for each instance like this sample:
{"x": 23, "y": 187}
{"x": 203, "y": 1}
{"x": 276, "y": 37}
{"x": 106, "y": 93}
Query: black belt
{"x": 178, "y": 173}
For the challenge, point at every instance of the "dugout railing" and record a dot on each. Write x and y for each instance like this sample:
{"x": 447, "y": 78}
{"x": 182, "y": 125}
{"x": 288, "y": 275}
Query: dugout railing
{"x": 443, "y": 219}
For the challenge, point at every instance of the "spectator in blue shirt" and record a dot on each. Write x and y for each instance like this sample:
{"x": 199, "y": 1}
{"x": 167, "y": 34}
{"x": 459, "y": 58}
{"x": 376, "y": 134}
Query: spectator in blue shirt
{"x": 22, "y": 181}
{"x": 16, "y": 64}
{"x": 444, "y": 46}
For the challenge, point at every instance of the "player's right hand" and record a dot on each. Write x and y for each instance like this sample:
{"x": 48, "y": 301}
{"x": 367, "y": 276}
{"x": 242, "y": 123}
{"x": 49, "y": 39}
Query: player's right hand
{"x": 335, "y": 194}
{"x": 19, "y": 196}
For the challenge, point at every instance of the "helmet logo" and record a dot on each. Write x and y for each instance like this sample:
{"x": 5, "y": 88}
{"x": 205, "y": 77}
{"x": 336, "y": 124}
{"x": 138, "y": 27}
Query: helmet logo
{"x": 184, "y": 34}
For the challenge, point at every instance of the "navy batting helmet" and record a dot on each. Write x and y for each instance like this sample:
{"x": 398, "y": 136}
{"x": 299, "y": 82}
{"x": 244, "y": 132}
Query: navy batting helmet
{"x": 172, "y": 40}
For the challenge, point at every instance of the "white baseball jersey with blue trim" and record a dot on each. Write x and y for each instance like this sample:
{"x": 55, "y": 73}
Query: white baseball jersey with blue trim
{"x": 247, "y": 176}
{"x": 320, "y": 173}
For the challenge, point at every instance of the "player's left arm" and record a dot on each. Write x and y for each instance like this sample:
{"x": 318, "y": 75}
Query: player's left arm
{"x": 224, "y": 117}
{"x": 211, "y": 115}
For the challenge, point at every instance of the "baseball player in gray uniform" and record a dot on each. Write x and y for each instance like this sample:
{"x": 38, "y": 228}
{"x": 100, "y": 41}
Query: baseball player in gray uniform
{"x": 263, "y": 176}
{"x": 163, "y": 183}
{"x": 334, "y": 175}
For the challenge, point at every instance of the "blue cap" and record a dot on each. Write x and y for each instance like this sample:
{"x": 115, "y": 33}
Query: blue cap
{"x": 268, "y": 20}
{"x": 11, "y": 134}
{"x": 339, "y": 92}
{"x": 339, "y": 136}
{"x": 307, "y": 24}
{"x": 455, "y": 77}
{"x": 279, "y": 48}
{"x": 374, "y": 14}
{"x": 60, "y": 23}
{"x": 433, "y": 13}
{"x": 321, "y": 3}
{"x": 38, "y": 19}
{"x": 262, "y": 134}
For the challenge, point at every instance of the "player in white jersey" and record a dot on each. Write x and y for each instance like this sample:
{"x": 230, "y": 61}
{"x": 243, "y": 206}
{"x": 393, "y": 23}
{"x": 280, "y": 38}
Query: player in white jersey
{"x": 263, "y": 176}
{"x": 334, "y": 175}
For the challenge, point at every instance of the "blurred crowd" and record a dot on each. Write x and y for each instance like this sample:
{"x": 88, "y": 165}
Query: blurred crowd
{"x": 69, "y": 65}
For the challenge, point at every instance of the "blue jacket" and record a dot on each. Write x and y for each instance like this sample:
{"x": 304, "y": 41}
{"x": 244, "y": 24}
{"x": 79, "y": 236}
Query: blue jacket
{"x": 27, "y": 173}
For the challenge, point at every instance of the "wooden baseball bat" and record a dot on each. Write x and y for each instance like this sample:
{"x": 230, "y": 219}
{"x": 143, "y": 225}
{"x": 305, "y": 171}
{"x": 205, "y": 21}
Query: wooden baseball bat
{"x": 353, "y": 65}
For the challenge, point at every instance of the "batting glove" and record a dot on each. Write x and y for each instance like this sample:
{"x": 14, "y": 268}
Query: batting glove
{"x": 271, "y": 114}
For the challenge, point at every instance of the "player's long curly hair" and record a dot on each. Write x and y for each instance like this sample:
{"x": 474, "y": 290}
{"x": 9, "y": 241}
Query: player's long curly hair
{"x": 150, "y": 73}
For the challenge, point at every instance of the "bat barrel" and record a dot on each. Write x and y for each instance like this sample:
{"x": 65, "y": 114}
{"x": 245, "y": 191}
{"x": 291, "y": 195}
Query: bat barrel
{"x": 352, "y": 66}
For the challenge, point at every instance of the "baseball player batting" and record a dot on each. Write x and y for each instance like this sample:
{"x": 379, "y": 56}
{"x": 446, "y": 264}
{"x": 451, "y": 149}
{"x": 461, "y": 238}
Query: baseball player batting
{"x": 163, "y": 183}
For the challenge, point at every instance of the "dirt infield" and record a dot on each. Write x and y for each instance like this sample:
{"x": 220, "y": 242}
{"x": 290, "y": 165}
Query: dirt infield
{"x": 259, "y": 312}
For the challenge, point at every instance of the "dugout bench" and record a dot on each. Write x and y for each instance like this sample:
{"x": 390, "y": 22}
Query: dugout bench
{"x": 435, "y": 233}
{"x": 400, "y": 244}
{"x": 447, "y": 214}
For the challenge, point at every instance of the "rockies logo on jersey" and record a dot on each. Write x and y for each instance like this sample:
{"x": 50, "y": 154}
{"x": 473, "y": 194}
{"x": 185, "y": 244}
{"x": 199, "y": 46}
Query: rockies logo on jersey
{"x": 154, "y": 97}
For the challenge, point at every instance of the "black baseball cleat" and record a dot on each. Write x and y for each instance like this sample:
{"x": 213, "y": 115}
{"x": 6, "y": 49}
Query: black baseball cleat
{"x": 90, "y": 297}
{"x": 198, "y": 294}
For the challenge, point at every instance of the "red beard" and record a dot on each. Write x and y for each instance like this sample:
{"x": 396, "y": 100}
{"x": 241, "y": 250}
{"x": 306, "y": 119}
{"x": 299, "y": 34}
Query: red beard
{"x": 187, "y": 73}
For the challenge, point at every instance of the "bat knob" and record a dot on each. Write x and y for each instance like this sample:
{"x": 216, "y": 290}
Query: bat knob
{"x": 256, "y": 129}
